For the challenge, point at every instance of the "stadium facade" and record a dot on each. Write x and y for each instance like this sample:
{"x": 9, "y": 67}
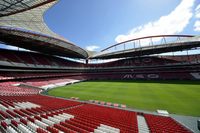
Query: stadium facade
{"x": 25, "y": 74}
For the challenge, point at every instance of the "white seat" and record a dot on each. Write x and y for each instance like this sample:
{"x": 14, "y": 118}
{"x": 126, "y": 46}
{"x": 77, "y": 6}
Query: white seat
{"x": 106, "y": 130}
{"x": 24, "y": 129}
{"x": 98, "y": 131}
{"x": 48, "y": 121}
{"x": 59, "y": 117}
{"x": 32, "y": 126}
{"x": 54, "y": 119}
{"x": 11, "y": 130}
{"x": 111, "y": 128}
{"x": 41, "y": 124}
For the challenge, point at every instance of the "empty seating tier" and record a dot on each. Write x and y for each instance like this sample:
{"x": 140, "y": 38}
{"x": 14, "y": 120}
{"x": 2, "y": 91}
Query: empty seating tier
{"x": 25, "y": 110}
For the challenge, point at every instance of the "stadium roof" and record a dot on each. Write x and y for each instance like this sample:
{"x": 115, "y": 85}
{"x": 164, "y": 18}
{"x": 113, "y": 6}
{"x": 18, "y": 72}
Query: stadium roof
{"x": 22, "y": 25}
{"x": 149, "y": 45}
{"x": 9, "y": 7}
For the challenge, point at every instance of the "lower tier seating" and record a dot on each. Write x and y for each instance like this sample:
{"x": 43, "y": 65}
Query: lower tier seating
{"x": 161, "y": 124}
{"x": 48, "y": 81}
{"x": 22, "y": 87}
{"x": 11, "y": 88}
{"x": 43, "y": 114}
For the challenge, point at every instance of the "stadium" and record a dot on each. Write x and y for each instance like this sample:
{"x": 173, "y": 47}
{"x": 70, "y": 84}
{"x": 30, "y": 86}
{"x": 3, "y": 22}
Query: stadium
{"x": 141, "y": 89}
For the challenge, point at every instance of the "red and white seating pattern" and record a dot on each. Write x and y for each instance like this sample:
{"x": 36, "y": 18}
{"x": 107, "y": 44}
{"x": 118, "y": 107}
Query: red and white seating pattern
{"x": 44, "y": 60}
{"x": 49, "y": 81}
{"x": 28, "y": 75}
{"x": 43, "y": 114}
{"x": 143, "y": 61}
{"x": 13, "y": 88}
{"x": 35, "y": 59}
{"x": 9, "y": 88}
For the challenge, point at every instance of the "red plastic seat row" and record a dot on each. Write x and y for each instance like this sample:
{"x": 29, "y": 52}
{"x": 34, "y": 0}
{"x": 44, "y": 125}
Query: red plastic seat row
{"x": 64, "y": 129}
{"x": 162, "y": 124}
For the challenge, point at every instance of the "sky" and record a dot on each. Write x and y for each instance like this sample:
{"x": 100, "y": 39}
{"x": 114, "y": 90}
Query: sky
{"x": 97, "y": 24}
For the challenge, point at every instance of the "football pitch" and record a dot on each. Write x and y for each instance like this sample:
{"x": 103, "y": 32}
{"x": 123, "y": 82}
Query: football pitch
{"x": 177, "y": 97}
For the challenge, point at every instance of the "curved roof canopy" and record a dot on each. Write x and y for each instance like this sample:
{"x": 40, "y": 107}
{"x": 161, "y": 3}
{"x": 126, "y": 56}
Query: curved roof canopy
{"x": 9, "y": 7}
{"x": 22, "y": 25}
{"x": 149, "y": 45}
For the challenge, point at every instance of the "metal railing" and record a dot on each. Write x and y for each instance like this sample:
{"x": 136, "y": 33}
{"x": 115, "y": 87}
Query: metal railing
{"x": 142, "y": 42}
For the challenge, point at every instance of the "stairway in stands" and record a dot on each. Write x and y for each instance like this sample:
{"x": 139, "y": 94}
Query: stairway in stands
{"x": 142, "y": 124}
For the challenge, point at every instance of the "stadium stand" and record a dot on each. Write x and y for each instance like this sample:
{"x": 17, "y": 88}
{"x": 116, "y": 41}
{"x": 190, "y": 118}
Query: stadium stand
{"x": 43, "y": 113}
{"x": 30, "y": 58}
{"x": 10, "y": 88}
{"x": 143, "y": 61}
{"x": 35, "y": 59}
{"x": 28, "y": 75}
{"x": 48, "y": 83}
{"x": 24, "y": 109}
{"x": 164, "y": 124}
{"x": 25, "y": 74}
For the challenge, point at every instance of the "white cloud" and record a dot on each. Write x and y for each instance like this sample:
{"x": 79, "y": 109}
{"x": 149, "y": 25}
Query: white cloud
{"x": 173, "y": 23}
{"x": 11, "y": 47}
{"x": 197, "y": 11}
{"x": 92, "y": 47}
{"x": 15, "y": 48}
{"x": 197, "y": 25}
{"x": 197, "y": 22}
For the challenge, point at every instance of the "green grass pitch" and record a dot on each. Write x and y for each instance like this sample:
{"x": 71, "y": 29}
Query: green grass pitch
{"x": 178, "y": 97}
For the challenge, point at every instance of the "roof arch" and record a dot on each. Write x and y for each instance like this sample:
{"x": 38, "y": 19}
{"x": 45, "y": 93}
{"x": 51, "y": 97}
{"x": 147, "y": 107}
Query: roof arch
{"x": 23, "y": 21}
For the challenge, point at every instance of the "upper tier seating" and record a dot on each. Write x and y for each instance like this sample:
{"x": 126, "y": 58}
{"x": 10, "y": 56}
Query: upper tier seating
{"x": 35, "y": 59}
{"x": 182, "y": 58}
{"x": 143, "y": 61}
